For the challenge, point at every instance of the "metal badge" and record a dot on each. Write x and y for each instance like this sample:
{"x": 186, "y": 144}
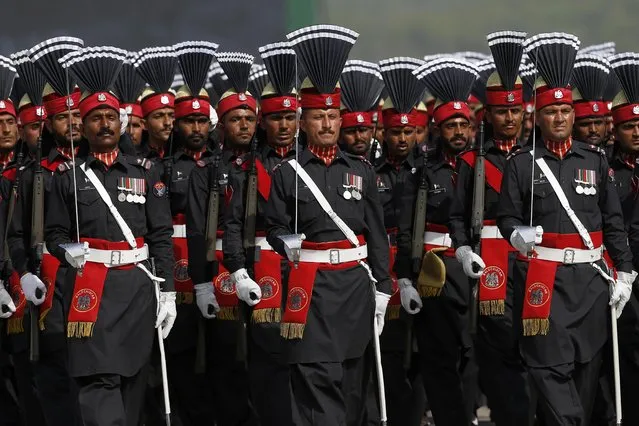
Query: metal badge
{"x": 347, "y": 195}
{"x": 142, "y": 199}
{"x": 579, "y": 189}
{"x": 357, "y": 195}
{"x": 129, "y": 198}
{"x": 121, "y": 197}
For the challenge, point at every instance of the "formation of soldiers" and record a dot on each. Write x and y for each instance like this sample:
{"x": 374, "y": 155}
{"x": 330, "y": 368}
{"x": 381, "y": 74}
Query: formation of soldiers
{"x": 190, "y": 237}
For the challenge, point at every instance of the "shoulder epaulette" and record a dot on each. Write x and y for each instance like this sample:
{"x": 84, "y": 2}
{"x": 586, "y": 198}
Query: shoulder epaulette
{"x": 593, "y": 148}
{"x": 145, "y": 163}
{"x": 63, "y": 167}
{"x": 526, "y": 148}
{"x": 358, "y": 157}
{"x": 203, "y": 162}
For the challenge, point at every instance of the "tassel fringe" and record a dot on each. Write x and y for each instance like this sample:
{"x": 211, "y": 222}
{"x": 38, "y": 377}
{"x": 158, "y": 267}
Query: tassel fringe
{"x": 79, "y": 330}
{"x": 292, "y": 330}
{"x": 268, "y": 315}
{"x": 536, "y": 326}
{"x": 492, "y": 307}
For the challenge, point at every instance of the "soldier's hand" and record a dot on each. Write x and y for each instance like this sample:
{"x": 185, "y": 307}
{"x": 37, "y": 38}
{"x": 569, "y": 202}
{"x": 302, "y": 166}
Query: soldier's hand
{"x": 472, "y": 263}
{"x": 621, "y": 290}
{"x": 205, "y": 299}
{"x": 411, "y": 301}
{"x": 7, "y": 307}
{"x": 33, "y": 288}
{"x": 524, "y": 238}
{"x": 167, "y": 312}
{"x": 381, "y": 302}
{"x": 247, "y": 290}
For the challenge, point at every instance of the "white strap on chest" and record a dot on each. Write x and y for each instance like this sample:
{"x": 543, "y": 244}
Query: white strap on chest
{"x": 128, "y": 235}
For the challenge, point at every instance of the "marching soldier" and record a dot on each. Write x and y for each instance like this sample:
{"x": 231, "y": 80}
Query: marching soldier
{"x": 215, "y": 292}
{"x": 112, "y": 312}
{"x": 502, "y": 376}
{"x": 267, "y": 365}
{"x": 442, "y": 325}
{"x": 590, "y": 77}
{"x": 574, "y": 212}
{"x": 330, "y": 304}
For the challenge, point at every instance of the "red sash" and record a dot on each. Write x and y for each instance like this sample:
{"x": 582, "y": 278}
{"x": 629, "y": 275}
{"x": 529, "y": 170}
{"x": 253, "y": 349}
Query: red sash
{"x": 493, "y": 174}
{"x": 48, "y": 272}
{"x": 268, "y": 275}
{"x": 493, "y": 282}
{"x": 395, "y": 302}
{"x": 225, "y": 289}
{"x": 301, "y": 281}
{"x": 15, "y": 324}
{"x": 540, "y": 281}
{"x": 181, "y": 278}
{"x": 88, "y": 288}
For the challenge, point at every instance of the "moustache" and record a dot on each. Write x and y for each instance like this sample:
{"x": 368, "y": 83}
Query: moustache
{"x": 327, "y": 132}
{"x": 105, "y": 131}
{"x": 459, "y": 139}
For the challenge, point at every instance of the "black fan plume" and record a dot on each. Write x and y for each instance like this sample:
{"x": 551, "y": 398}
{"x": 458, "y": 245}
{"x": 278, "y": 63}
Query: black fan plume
{"x": 448, "y": 79}
{"x": 404, "y": 88}
{"x": 46, "y": 57}
{"x": 603, "y": 49}
{"x": 553, "y": 54}
{"x": 237, "y": 67}
{"x": 323, "y": 51}
{"x": 95, "y": 68}
{"x": 32, "y": 81}
{"x": 484, "y": 68}
{"x": 7, "y": 76}
{"x": 195, "y": 58}
{"x": 258, "y": 79}
{"x": 219, "y": 82}
{"x": 626, "y": 67}
{"x": 590, "y": 76}
{"x": 361, "y": 85}
{"x": 129, "y": 84}
{"x": 156, "y": 66}
{"x": 528, "y": 74}
{"x": 279, "y": 60}
{"x": 507, "y": 49}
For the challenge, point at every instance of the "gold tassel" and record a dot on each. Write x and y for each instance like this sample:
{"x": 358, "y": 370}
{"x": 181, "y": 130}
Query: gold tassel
{"x": 79, "y": 330}
{"x": 268, "y": 315}
{"x": 536, "y": 326}
{"x": 392, "y": 312}
{"x": 428, "y": 291}
{"x": 228, "y": 313}
{"x": 185, "y": 298}
{"x": 43, "y": 316}
{"x": 15, "y": 326}
{"x": 290, "y": 330}
{"x": 492, "y": 307}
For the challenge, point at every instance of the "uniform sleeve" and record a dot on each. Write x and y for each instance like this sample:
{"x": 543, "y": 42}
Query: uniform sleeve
{"x": 277, "y": 216}
{"x": 159, "y": 229}
{"x": 197, "y": 198}
{"x": 614, "y": 233}
{"x": 511, "y": 204}
{"x": 460, "y": 209}
{"x": 19, "y": 232}
{"x": 58, "y": 216}
{"x": 633, "y": 237}
{"x": 403, "y": 261}
{"x": 376, "y": 238}
{"x": 4, "y": 204}
{"x": 234, "y": 257}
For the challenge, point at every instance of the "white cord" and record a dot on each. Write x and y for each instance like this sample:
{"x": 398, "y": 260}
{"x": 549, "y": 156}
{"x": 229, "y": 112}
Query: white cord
{"x": 75, "y": 182}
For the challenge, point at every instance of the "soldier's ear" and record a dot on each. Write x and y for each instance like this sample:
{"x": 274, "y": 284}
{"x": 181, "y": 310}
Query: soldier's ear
{"x": 143, "y": 123}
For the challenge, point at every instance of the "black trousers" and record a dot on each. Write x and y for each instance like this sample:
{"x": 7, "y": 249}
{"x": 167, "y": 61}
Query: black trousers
{"x": 405, "y": 395}
{"x": 30, "y": 405}
{"x": 566, "y": 393}
{"x": 629, "y": 389}
{"x": 447, "y": 361}
{"x": 8, "y": 398}
{"x": 112, "y": 400}
{"x": 331, "y": 393}
{"x": 58, "y": 392}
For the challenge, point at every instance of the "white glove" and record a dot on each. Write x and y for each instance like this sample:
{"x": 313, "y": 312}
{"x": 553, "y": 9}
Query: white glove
{"x": 381, "y": 302}
{"x": 205, "y": 299}
{"x": 468, "y": 258}
{"x": 30, "y": 286}
{"x": 525, "y": 243}
{"x": 247, "y": 290}
{"x": 167, "y": 312}
{"x": 124, "y": 120}
{"x": 621, "y": 290}
{"x": 7, "y": 307}
{"x": 289, "y": 252}
{"x": 409, "y": 296}
{"x": 76, "y": 254}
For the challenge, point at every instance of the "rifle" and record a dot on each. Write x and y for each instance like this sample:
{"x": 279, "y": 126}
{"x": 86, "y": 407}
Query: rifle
{"x": 477, "y": 221}
{"x": 373, "y": 153}
{"x": 248, "y": 241}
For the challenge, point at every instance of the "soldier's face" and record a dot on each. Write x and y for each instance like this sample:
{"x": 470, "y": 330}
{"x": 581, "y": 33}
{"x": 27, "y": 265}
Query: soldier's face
{"x": 194, "y": 131}
{"x": 134, "y": 128}
{"x": 590, "y": 130}
{"x": 101, "y": 127}
{"x": 610, "y": 129}
{"x": 506, "y": 121}
{"x": 455, "y": 134}
{"x": 400, "y": 140}
{"x": 29, "y": 133}
{"x": 321, "y": 126}
{"x": 8, "y": 132}
{"x": 421, "y": 133}
{"x": 239, "y": 126}
{"x": 159, "y": 124}
{"x": 379, "y": 134}
{"x": 280, "y": 128}
{"x": 627, "y": 135}
{"x": 59, "y": 127}
{"x": 556, "y": 121}
{"x": 527, "y": 126}
{"x": 357, "y": 140}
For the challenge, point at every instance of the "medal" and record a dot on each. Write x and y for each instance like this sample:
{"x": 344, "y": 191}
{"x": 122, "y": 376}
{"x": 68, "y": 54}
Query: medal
{"x": 129, "y": 198}
{"x": 580, "y": 189}
{"x": 121, "y": 197}
{"x": 357, "y": 195}
{"x": 142, "y": 199}
{"x": 347, "y": 195}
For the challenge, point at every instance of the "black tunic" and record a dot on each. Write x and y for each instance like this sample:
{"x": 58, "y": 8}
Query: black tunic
{"x": 124, "y": 331}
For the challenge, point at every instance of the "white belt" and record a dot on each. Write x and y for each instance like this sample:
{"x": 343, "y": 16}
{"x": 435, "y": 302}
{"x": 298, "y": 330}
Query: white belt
{"x": 263, "y": 244}
{"x": 179, "y": 231}
{"x": 437, "y": 239}
{"x": 568, "y": 256}
{"x": 490, "y": 232}
{"x": 112, "y": 258}
{"x": 334, "y": 256}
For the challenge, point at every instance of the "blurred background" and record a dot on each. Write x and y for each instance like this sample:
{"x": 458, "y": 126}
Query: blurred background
{"x": 387, "y": 27}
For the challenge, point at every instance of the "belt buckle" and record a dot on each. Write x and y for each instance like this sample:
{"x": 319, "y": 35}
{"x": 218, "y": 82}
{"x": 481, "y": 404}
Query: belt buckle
{"x": 569, "y": 256}
{"x": 333, "y": 256}
{"x": 116, "y": 256}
